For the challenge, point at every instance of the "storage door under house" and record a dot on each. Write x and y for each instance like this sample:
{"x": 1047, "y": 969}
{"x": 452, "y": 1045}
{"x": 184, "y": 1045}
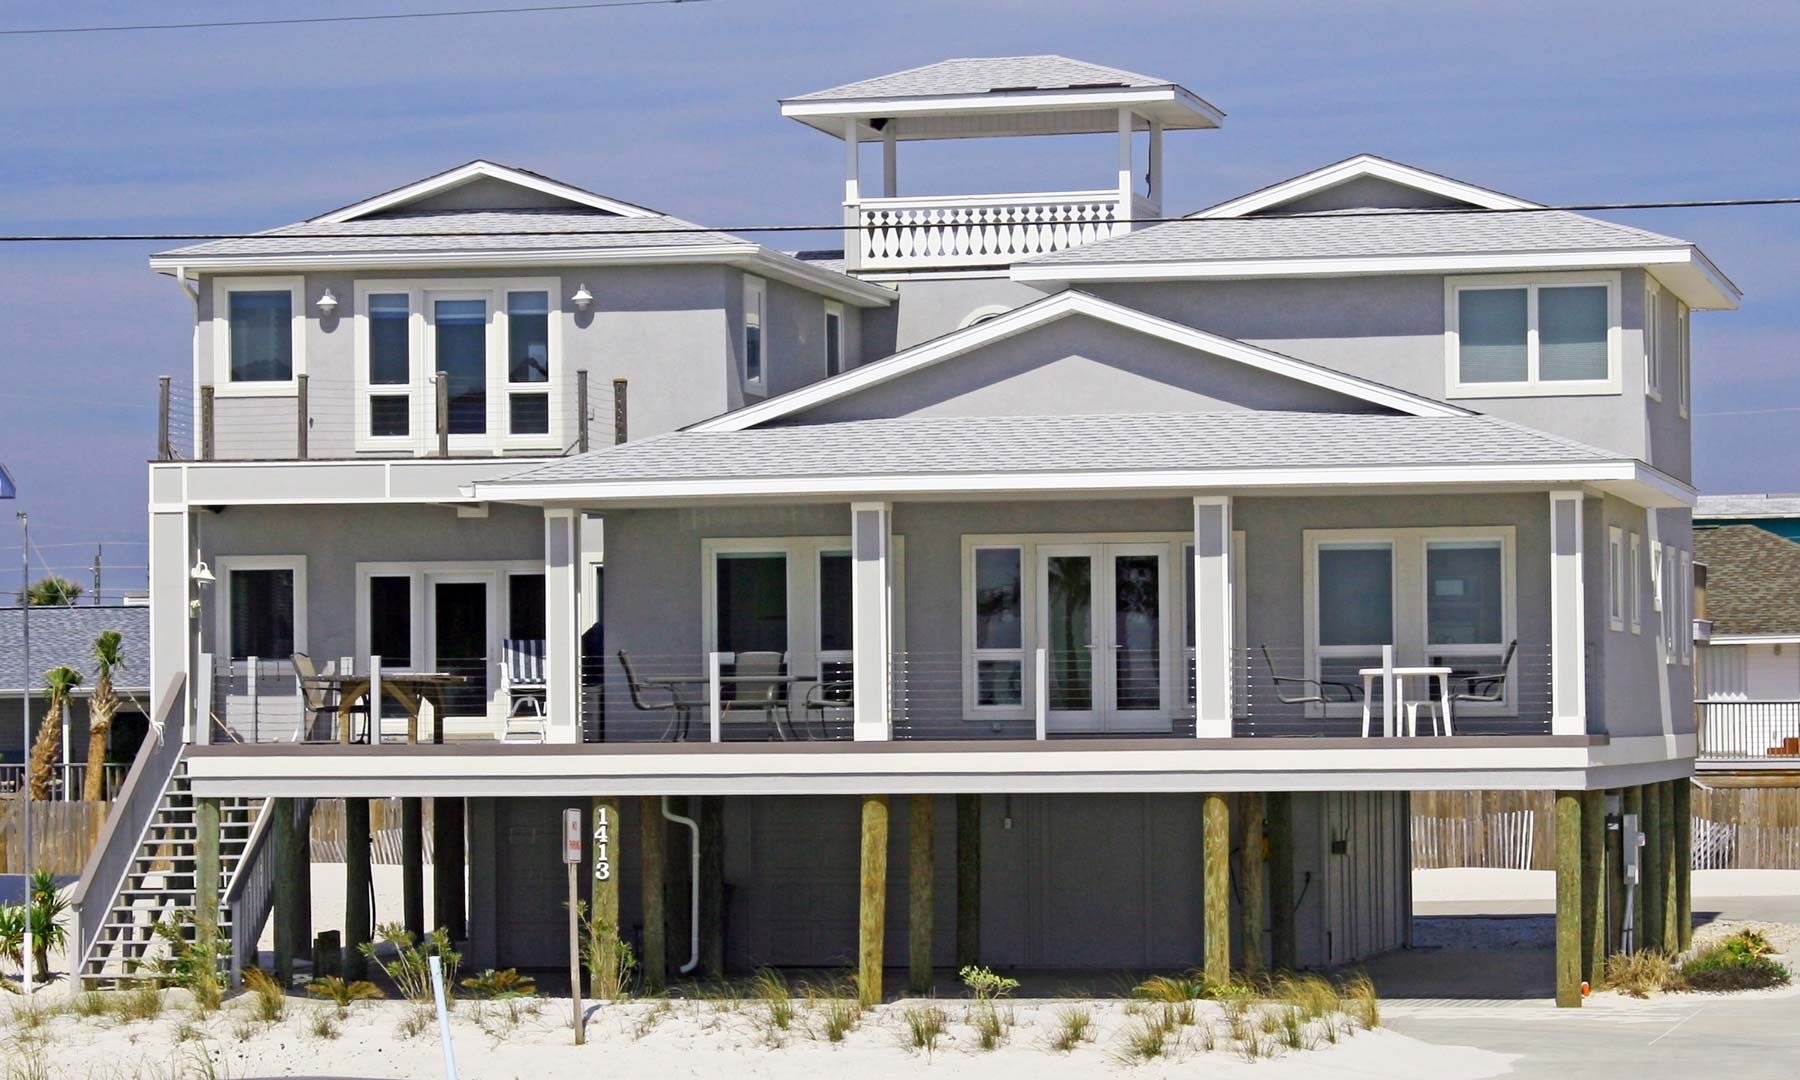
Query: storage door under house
{"x": 531, "y": 884}
{"x": 1365, "y": 851}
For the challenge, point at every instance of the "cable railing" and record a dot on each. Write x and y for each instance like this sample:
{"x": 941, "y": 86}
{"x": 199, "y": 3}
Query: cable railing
{"x": 68, "y": 780}
{"x": 1748, "y": 731}
{"x": 635, "y": 697}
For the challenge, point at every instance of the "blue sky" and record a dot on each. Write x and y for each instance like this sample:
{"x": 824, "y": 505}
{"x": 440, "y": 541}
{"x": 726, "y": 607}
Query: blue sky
{"x": 674, "y": 107}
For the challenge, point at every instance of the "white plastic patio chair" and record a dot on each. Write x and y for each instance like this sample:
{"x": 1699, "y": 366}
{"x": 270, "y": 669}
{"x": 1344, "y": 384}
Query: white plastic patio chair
{"x": 522, "y": 677}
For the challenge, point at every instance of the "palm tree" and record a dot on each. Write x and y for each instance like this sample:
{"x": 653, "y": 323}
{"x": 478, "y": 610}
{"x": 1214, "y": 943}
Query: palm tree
{"x": 103, "y": 705}
{"x": 52, "y": 591}
{"x": 61, "y": 681}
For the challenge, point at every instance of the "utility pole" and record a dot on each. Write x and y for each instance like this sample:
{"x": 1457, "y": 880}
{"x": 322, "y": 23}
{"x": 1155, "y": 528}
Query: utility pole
{"x": 28, "y": 977}
{"x": 97, "y": 549}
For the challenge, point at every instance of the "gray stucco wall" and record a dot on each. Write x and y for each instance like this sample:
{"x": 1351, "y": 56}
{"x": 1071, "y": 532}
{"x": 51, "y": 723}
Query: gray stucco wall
{"x": 1362, "y": 192}
{"x": 1669, "y": 433}
{"x": 931, "y": 307}
{"x": 1080, "y": 365}
{"x": 1391, "y": 330}
{"x": 1626, "y": 678}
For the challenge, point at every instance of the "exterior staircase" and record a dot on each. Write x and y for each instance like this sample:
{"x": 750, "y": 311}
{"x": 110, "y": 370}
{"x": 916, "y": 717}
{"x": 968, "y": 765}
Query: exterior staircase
{"x": 159, "y": 881}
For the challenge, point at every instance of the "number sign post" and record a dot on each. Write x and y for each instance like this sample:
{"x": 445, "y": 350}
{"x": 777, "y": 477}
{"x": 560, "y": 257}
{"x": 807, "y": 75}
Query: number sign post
{"x": 571, "y": 852}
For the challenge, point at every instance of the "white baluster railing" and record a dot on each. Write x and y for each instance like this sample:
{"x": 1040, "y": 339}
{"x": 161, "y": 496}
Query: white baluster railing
{"x": 984, "y": 230}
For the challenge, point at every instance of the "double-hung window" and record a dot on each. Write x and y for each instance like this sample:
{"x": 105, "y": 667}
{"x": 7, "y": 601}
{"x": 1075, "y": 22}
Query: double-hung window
{"x": 756, "y": 303}
{"x": 998, "y": 625}
{"x": 259, "y": 330}
{"x": 1652, "y": 341}
{"x": 1545, "y": 335}
{"x": 834, "y": 338}
{"x": 528, "y": 362}
{"x": 390, "y": 366}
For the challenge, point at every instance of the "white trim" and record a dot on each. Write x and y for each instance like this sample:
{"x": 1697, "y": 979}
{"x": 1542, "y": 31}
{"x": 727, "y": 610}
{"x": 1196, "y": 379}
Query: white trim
{"x": 222, "y": 288}
{"x": 1356, "y": 168}
{"x": 1700, "y": 282}
{"x": 1753, "y": 639}
{"x": 1533, "y": 385}
{"x": 420, "y": 421}
{"x": 1684, "y": 626}
{"x": 1684, "y": 372}
{"x": 804, "y": 623}
{"x": 224, "y": 566}
{"x": 1177, "y": 102}
{"x": 755, "y": 313}
{"x": 1651, "y": 334}
{"x": 1630, "y": 479}
{"x": 475, "y": 170}
{"x": 1635, "y": 584}
{"x": 1615, "y": 577}
{"x": 1052, "y": 309}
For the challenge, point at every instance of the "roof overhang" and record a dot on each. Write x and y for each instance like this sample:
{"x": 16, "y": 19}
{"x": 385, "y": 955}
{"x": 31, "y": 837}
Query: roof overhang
{"x": 751, "y": 257}
{"x": 1631, "y": 480}
{"x": 1684, "y": 268}
{"x": 1065, "y": 111}
{"x": 1052, "y": 309}
{"x": 478, "y": 170}
{"x": 1754, "y": 639}
{"x": 1363, "y": 165}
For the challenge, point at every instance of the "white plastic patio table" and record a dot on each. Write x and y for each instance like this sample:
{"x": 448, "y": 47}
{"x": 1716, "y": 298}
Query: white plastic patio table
{"x": 1401, "y": 674}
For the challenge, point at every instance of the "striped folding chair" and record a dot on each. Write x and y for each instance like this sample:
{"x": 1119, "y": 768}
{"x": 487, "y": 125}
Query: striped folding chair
{"x": 522, "y": 677}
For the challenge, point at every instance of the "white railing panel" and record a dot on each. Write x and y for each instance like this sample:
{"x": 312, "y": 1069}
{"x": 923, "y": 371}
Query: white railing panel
{"x": 980, "y": 230}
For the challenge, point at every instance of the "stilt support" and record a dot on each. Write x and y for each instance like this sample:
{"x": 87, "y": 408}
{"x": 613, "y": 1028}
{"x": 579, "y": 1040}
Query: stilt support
{"x": 358, "y": 882}
{"x": 1684, "y": 863}
{"x": 1671, "y": 868}
{"x": 655, "y": 956}
{"x": 207, "y": 880}
{"x": 1593, "y": 884}
{"x": 1568, "y": 899}
{"x": 1652, "y": 890}
{"x": 712, "y": 885}
{"x": 872, "y": 918}
{"x": 920, "y": 875}
{"x": 412, "y": 866}
{"x": 287, "y": 888}
{"x": 1215, "y": 887}
{"x": 448, "y": 878}
{"x": 1631, "y": 805}
{"x": 1615, "y": 884}
{"x": 968, "y": 880}
{"x": 603, "y": 873}
{"x": 1250, "y": 904}
{"x": 1284, "y": 953}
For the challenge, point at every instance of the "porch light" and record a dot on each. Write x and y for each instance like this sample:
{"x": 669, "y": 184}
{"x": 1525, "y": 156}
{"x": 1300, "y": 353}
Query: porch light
{"x": 202, "y": 573}
{"x": 582, "y": 298}
{"x": 327, "y": 302}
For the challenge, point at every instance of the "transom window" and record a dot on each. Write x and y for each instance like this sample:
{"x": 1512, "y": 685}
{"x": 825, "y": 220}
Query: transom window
{"x": 1556, "y": 334}
{"x": 496, "y": 344}
{"x": 258, "y": 330}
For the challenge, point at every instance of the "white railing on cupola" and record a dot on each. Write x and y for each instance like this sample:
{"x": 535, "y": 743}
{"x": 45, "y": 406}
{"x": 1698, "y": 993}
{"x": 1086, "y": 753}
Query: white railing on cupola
{"x": 984, "y": 230}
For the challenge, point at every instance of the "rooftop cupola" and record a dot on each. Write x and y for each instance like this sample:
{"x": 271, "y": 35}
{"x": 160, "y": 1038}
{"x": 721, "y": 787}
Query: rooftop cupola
{"x": 995, "y": 97}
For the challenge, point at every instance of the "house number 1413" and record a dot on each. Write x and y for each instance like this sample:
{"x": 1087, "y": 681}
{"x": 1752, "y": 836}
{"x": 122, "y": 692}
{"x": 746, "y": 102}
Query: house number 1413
{"x": 603, "y": 843}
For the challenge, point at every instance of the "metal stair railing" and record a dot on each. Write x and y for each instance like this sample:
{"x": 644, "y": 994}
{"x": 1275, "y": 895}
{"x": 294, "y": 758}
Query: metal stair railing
{"x": 127, "y": 825}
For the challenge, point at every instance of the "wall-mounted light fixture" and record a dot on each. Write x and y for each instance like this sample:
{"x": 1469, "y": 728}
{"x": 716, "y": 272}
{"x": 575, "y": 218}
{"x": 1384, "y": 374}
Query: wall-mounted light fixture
{"x": 327, "y": 302}
{"x": 582, "y": 298}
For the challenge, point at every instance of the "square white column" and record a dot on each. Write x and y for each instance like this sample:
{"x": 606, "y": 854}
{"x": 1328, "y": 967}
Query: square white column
{"x": 1213, "y": 619}
{"x": 871, "y": 613}
{"x": 1568, "y": 625}
{"x": 173, "y": 620}
{"x": 562, "y": 625}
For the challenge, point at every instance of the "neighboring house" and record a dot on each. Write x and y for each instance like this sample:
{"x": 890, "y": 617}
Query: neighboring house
{"x": 1099, "y": 527}
{"x": 65, "y": 635}
{"x": 1747, "y": 682}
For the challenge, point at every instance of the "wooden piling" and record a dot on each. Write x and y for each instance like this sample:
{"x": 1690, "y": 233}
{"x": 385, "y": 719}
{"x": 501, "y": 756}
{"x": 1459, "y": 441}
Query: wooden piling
{"x": 1631, "y": 802}
{"x": 712, "y": 885}
{"x": 1215, "y": 887}
{"x": 1280, "y": 825}
{"x": 412, "y": 866}
{"x": 286, "y": 887}
{"x": 920, "y": 877}
{"x": 1614, "y": 887}
{"x": 448, "y": 877}
{"x": 1684, "y": 863}
{"x": 1650, "y": 889}
{"x": 358, "y": 918}
{"x": 654, "y": 958}
{"x": 207, "y": 874}
{"x": 968, "y": 880}
{"x": 1250, "y": 903}
{"x": 1593, "y": 884}
{"x": 1568, "y": 900}
{"x": 1671, "y": 867}
{"x": 872, "y": 915}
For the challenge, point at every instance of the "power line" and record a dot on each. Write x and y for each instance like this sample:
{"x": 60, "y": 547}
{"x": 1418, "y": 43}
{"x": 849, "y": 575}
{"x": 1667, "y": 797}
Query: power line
{"x": 1333, "y": 215}
{"x": 316, "y": 19}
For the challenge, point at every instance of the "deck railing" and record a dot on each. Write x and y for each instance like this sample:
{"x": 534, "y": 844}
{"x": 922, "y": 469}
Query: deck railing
{"x": 923, "y": 232}
{"x": 1749, "y": 731}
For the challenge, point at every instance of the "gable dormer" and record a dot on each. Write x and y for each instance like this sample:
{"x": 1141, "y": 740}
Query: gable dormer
{"x": 1364, "y": 182}
{"x": 483, "y": 185}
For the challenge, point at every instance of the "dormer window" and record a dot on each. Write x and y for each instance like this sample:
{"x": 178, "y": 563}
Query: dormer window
{"x": 1509, "y": 336}
{"x": 258, "y": 334}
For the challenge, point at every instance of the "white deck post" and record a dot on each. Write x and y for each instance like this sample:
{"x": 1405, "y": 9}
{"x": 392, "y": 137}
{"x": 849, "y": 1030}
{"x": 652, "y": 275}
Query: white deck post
{"x": 1040, "y": 691}
{"x": 1125, "y": 183}
{"x": 173, "y": 622}
{"x": 890, "y": 162}
{"x": 1568, "y": 636}
{"x": 562, "y": 633}
{"x": 871, "y": 607}
{"x": 1212, "y": 616}
{"x": 715, "y": 694}
{"x": 852, "y": 195}
{"x": 199, "y": 731}
{"x": 1156, "y": 167}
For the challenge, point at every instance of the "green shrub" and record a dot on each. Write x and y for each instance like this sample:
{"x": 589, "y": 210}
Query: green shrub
{"x": 500, "y": 985}
{"x": 1074, "y": 1026}
{"x": 342, "y": 993}
{"x": 1740, "y": 962}
{"x": 985, "y": 985}
{"x": 410, "y": 968}
{"x": 268, "y": 996}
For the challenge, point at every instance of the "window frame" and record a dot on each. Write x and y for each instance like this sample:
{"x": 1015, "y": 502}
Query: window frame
{"x": 1685, "y": 623}
{"x": 804, "y": 597}
{"x": 1635, "y": 586}
{"x": 225, "y": 566}
{"x": 1684, "y": 372}
{"x": 222, "y": 288}
{"x": 755, "y": 315}
{"x": 1412, "y": 584}
{"x": 1652, "y": 335}
{"x": 834, "y": 310}
{"x": 974, "y": 656}
{"x": 1615, "y": 577}
{"x": 421, "y": 345}
{"x": 1533, "y": 385}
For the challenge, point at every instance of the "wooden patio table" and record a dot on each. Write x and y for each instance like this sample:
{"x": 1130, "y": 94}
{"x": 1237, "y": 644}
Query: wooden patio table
{"x": 410, "y": 688}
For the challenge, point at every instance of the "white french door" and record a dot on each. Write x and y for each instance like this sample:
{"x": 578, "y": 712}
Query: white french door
{"x": 1103, "y": 624}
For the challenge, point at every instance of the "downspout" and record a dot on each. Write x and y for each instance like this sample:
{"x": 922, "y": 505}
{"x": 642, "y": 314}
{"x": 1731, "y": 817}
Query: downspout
{"x": 693, "y": 885}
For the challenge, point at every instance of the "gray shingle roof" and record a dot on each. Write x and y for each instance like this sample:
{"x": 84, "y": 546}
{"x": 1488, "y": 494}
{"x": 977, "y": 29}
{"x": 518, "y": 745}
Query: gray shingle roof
{"x": 1747, "y": 506}
{"x": 1036, "y": 444}
{"x": 1359, "y": 233}
{"x": 473, "y": 230}
{"x": 1752, "y": 580}
{"x": 65, "y": 635}
{"x": 985, "y": 74}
